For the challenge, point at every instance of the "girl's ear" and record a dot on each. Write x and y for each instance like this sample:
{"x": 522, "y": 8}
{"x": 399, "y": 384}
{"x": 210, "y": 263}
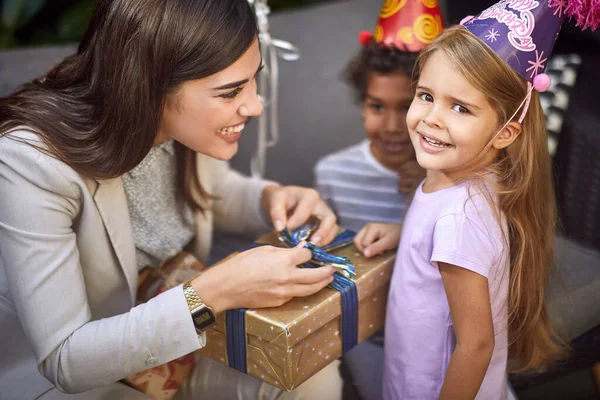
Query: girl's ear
{"x": 507, "y": 135}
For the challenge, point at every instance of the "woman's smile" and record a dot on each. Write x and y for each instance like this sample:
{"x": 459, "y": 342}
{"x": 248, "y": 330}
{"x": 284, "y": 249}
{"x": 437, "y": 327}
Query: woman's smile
{"x": 231, "y": 134}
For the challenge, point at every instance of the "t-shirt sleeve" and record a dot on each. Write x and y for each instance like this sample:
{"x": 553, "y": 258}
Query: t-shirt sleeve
{"x": 471, "y": 239}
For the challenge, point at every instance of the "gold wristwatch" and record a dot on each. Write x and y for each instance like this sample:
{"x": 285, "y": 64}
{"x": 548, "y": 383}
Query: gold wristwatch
{"x": 203, "y": 315}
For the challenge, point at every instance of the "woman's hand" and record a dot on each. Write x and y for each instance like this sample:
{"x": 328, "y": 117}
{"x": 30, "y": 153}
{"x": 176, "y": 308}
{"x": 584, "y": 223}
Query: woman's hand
{"x": 303, "y": 203}
{"x": 265, "y": 276}
{"x": 375, "y": 238}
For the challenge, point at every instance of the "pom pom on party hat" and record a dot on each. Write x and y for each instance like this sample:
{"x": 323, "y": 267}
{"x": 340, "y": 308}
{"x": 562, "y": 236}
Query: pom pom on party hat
{"x": 410, "y": 25}
{"x": 523, "y": 32}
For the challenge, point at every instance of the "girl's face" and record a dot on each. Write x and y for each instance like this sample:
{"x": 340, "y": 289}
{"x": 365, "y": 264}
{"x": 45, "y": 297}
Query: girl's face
{"x": 207, "y": 115}
{"x": 450, "y": 122}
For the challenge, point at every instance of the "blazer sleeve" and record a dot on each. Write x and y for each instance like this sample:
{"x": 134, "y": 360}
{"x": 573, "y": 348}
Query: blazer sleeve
{"x": 39, "y": 203}
{"x": 237, "y": 204}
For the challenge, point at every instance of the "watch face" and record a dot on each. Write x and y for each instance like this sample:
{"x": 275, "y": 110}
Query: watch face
{"x": 203, "y": 318}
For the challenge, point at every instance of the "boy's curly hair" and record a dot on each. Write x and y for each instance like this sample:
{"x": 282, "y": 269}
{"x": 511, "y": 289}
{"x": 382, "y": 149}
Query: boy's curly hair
{"x": 374, "y": 57}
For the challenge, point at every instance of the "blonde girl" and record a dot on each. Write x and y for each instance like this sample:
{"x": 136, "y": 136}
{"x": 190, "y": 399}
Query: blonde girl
{"x": 476, "y": 247}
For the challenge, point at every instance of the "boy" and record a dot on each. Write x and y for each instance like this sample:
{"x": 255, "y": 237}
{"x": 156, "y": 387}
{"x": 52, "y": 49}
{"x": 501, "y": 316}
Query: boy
{"x": 372, "y": 181}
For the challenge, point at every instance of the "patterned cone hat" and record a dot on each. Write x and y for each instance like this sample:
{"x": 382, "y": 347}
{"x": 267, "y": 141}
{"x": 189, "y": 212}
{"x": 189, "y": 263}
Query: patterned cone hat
{"x": 410, "y": 25}
{"x": 523, "y": 32}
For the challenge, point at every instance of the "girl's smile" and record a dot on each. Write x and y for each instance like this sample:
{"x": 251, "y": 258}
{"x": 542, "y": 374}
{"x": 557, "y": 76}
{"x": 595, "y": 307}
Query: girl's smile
{"x": 432, "y": 145}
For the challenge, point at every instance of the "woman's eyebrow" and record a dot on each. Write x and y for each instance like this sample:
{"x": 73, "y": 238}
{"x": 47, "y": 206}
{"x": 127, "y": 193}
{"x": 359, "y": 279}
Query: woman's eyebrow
{"x": 233, "y": 85}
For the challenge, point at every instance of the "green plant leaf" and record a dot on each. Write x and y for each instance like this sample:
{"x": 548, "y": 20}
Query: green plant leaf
{"x": 16, "y": 13}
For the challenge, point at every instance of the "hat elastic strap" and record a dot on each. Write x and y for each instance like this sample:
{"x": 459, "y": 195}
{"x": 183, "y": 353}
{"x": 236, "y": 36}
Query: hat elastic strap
{"x": 527, "y": 101}
{"x": 525, "y": 104}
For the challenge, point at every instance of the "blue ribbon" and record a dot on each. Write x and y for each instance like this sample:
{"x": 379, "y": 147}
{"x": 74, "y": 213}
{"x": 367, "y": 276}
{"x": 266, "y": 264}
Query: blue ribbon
{"x": 349, "y": 324}
{"x": 320, "y": 256}
{"x": 235, "y": 320}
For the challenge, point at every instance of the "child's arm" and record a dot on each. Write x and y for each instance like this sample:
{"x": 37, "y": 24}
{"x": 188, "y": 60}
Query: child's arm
{"x": 375, "y": 238}
{"x": 471, "y": 311}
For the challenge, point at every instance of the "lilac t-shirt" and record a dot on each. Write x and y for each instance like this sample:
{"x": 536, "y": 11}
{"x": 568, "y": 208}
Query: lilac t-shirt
{"x": 456, "y": 226}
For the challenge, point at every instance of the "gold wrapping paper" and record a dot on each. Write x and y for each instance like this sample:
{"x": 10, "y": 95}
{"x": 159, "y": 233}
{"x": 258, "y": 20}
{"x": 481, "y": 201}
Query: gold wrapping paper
{"x": 287, "y": 345}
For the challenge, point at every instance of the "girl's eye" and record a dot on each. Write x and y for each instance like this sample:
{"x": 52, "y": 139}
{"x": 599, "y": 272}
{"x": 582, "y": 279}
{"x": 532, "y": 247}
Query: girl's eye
{"x": 426, "y": 97}
{"x": 460, "y": 109}
{"x": 232, "y": 94}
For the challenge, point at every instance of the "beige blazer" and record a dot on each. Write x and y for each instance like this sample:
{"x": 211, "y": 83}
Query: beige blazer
{"x": 68, "y": 274}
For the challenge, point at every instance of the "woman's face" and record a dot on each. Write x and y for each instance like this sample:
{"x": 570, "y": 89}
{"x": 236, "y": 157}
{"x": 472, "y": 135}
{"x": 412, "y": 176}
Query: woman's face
{"x": 207, "y": 115}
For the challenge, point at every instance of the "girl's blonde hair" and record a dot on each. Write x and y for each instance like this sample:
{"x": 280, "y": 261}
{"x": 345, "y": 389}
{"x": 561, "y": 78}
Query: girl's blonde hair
{"x": 525, "y": 193}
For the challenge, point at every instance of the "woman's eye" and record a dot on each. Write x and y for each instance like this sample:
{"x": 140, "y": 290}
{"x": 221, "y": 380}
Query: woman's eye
{"x": 460, "y": 109}
{"x": 426, "y": 97}
{"x": 232, "y": 94}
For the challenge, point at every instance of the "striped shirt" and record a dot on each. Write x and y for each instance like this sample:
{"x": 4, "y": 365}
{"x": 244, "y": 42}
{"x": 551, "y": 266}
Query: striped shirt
{"x": 359, "y": 189}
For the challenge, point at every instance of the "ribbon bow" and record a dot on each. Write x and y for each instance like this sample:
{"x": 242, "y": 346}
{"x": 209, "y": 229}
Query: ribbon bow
{"x": 320, "y": 255}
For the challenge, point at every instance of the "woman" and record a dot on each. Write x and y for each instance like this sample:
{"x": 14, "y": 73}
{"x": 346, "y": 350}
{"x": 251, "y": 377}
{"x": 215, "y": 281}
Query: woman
{"x": 115, "y": 160}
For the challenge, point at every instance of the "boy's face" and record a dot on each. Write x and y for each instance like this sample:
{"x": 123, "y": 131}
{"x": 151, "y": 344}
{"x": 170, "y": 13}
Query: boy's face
{"x": 386, "y": 103}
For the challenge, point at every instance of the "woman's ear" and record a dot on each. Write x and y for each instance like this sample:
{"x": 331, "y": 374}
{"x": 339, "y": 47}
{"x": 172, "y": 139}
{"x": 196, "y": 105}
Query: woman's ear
{"x": 507, "y": 135}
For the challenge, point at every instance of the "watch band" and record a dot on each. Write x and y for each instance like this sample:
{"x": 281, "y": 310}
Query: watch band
{"x": 203, "y": 315}
{"x": 193, "y": 300}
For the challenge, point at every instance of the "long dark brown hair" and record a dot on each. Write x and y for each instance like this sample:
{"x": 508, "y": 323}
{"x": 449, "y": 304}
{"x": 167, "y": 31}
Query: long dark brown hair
{"x": 99, "y": 110}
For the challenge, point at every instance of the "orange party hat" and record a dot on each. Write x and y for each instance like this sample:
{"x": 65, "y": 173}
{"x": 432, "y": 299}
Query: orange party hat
{"x": 410, "y": 25}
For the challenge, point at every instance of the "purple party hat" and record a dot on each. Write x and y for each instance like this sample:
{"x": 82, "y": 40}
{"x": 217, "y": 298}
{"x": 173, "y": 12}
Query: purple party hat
{"x": 523, "y": 32}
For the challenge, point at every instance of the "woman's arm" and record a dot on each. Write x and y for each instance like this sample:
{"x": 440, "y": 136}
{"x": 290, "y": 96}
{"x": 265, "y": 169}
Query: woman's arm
{"x": 469, "y": 300}
{"x": 40, "y": 203}
{"x": 80, "y": 343}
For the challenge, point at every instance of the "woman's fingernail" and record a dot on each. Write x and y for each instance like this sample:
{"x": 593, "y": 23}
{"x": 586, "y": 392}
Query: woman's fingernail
{"x": 278, "y": 224}
{"x": 367, "y": 252}
{"x": 315, "y": 239}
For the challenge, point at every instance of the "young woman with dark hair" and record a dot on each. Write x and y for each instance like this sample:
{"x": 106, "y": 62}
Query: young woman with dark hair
{"x": 113, "y": 161}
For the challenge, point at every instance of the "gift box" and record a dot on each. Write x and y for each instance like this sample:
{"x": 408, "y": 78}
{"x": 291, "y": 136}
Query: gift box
{"x": 286, "y": 345}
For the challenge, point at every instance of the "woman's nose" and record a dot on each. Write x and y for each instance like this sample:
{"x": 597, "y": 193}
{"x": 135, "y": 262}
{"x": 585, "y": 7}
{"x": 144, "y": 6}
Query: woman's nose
{"x": 253, "y": 107}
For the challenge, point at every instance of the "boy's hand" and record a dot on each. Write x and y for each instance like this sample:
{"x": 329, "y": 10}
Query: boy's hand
{"x": 411, "y": 174}
{"x": 376, "y": 238}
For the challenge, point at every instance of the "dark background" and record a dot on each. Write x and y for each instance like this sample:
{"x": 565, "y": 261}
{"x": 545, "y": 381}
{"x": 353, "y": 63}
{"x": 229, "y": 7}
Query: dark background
{"x": 44, "y": 22}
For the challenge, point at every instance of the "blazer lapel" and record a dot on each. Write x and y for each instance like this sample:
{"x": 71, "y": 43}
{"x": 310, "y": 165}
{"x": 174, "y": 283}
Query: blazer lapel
{"x": 112, "y": 205}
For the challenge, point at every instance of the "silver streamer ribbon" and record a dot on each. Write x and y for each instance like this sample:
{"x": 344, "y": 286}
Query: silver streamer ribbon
{"x": 271, "y": 50}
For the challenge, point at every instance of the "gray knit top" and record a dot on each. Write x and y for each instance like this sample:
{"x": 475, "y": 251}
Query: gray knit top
{"x": 161, "y": 226}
